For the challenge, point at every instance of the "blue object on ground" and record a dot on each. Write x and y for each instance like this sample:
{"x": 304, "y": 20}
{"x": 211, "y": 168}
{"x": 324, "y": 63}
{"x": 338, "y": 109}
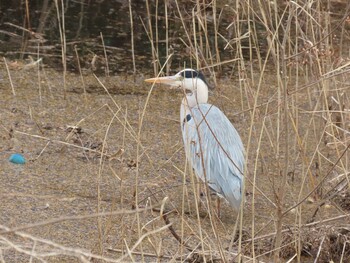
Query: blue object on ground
{"x": 17, "y": 158}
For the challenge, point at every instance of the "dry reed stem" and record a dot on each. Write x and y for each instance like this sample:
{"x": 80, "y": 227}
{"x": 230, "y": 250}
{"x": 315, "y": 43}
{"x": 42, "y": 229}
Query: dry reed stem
{"x": 151, "y": 37}
{"x": 81, "y": 73}
{"x": 167, "y": 51}
{"x": 56, "y": 249}
{"x": 132, "y": 40}
{"x": 99, "y": 180}
{"x": 105, "y": 54}
{"x": 69, "y": 218}
{"x": 138, "y": 157}
{"x": 62, "y": 31}
{"x": 9, "y": 76}
{"x": 39, "y": 75}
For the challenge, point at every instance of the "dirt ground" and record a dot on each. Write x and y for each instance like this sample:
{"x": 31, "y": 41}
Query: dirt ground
{"x": 85, "y": 155}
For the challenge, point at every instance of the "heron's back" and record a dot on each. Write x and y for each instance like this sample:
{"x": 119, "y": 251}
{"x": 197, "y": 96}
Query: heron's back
{"x": 215, "y": 151}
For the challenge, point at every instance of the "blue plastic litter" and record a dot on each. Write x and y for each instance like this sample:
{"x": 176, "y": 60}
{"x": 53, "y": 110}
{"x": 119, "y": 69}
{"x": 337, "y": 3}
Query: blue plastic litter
{"x": 17, "y": 158}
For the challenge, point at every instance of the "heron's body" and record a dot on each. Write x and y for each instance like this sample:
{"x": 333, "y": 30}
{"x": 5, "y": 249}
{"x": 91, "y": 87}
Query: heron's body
{"x": 213, "y": 146}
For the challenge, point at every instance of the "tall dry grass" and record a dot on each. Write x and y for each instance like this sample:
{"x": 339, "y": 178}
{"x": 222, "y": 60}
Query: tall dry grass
{"x": 284, "y": 68}
{"x": 292, "y": 111}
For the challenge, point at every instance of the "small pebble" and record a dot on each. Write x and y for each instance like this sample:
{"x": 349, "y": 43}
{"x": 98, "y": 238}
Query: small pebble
{"x": 310, "y": 200}
{"x": 327, "y": 206}
{"x": 17, "y": 158}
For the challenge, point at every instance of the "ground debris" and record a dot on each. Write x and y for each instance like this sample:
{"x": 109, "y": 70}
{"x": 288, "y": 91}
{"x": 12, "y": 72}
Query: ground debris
{"x": 326, "y": 243}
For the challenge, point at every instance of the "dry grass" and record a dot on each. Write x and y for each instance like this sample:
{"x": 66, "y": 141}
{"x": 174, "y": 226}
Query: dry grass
{"x": 115, "y": 181}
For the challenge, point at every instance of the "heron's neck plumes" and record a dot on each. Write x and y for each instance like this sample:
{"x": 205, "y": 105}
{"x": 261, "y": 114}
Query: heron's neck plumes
{"x": 198, "y": 96}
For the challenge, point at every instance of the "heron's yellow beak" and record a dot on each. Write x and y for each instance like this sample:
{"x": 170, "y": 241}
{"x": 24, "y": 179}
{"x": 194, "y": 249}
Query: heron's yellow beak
{"x": 169, "y": 80}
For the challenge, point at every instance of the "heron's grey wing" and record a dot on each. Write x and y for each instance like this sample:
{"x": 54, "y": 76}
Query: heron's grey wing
{"x": 215, "y": 151}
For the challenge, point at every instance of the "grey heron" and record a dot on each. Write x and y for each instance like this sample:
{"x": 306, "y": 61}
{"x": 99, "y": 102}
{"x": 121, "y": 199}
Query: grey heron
{"x": 213, "y": 146}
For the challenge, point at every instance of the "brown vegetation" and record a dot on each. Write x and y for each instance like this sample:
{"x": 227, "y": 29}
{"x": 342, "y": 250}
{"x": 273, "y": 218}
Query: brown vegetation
{"x": 106, "y": 178}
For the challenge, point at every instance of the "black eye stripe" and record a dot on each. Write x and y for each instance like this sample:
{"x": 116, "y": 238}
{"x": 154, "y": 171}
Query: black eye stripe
{"x": 189, "y": 74}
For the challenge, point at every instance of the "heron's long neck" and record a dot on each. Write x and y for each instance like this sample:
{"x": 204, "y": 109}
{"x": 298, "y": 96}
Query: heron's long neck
{"x": 199, "y": 96}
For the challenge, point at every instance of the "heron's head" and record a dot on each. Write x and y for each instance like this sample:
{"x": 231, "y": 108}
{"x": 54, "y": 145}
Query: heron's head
{"x": 188, "y": 79}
